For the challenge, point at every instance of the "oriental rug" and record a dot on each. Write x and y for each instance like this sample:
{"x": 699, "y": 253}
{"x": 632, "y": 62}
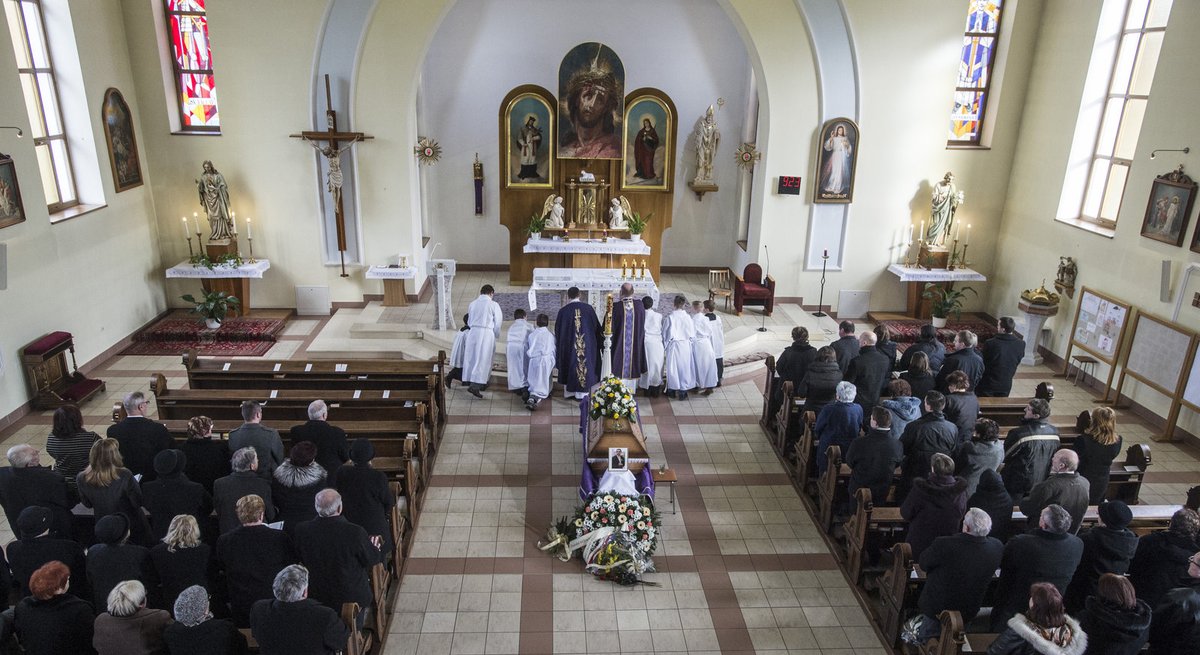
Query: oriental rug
{"x": 908, "y": 331}
{"x": 237, "y": 337}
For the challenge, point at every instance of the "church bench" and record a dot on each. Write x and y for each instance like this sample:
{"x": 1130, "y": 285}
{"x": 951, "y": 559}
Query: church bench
{"x": 359, "y": 643}
{"x": 954, "y": 639}
{"x": 832, "y": 487}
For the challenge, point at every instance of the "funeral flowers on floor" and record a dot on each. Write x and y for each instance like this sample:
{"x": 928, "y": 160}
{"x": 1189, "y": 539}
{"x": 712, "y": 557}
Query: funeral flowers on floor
{"x": 616, "y": 533}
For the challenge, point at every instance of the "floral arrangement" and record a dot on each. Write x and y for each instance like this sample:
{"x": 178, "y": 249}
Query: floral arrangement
{"x": 226, "y": 259}
{"x": 613, "y": 400}
{"x": 632, "y": 520}
{"x": 617, "y": 535}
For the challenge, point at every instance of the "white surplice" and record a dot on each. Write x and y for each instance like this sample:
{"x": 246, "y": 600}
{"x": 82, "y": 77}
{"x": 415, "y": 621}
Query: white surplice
{"x": 678, "y": 333}
{"x": 517, "y": 361}
{"x": 653, "y": 376}
{"x": 456, "y": 351}
{"x": 484, "y": 316}
{"x": 702, "y": 353}
{"x": 540, "y": 349}
{"x": 716, "y": 329}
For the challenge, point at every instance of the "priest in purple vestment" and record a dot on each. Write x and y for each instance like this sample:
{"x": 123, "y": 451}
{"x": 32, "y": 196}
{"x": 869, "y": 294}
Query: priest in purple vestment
{"x": 577, "y": 332}
{"x": 629, "y": 337}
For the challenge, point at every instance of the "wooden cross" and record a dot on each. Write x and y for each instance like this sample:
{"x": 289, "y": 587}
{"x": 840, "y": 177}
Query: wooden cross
{"x": 333, "y": 153}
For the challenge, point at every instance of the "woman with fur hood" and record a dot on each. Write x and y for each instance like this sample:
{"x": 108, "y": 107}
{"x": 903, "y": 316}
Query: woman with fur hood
{"x": 295, "y": 485}
{"x": 1044, "y": 630}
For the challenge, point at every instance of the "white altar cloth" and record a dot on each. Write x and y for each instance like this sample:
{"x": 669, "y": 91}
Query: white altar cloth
{"x": 604, "y": 280}
{"x": 588, "y": 246}
{"x": 936, "y": 275}
{"x": 248, "y": 269}
{"x": 387, "y": 273}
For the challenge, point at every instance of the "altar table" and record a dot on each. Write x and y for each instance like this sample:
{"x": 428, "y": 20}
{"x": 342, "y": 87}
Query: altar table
{"x": 394, "y": 294}
{"x": 233, "y": 280}
{"x": 586, "y": 252}
{"x": 917, "y": 277}
{"x": 602, "y": 280}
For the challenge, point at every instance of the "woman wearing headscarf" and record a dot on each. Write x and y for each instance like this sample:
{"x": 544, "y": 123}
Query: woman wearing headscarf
{"x": 51, "y": 621}
{"x": 196, "y": 632}
{"x": 991, "y": 497}
{"x": 366, "y": 499}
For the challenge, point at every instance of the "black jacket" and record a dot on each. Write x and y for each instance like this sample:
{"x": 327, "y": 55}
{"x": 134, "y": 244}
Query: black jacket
{"x": 920, "y": 383}
{"x": 991, "y": 497}
{"x": 28, "y": 555}
{"x": 250, "y": 557}
{"x": 1105, "y": 550}
{"x": 36, "y": 485}
{"x": 1028, "y": 450}
{"x": 933, "y": 349}
{"x": 793, "y": 364}
{"x": 1001, "y": 356}
{"x": 140, "y": 440}
{"x": 330, "y": 440}
{"x": 962, "y": 409}
{"x": 1113, "y": 630}
{"x": 294, "y": 489}
{"x": 847, "y": 348}
{"x": 972, "y": 458}
{"x": 304, "y": 627}
{"x": 1095, "y": 460}
{"x": 933, "y": 508}
{"x": 888, "y": 348}
{"x": 1160, "y": 564}
{"x": 367, "y": 500}
{"x": 820, "y": 385}
{"x": 181, "y": 569}
{"x": 339, "y": 556}
{"x": 930, "y": 434}
{"x": 873, "y": 459}
{"x": 62, "y": 624}
{"x": 960, "y": 567}
{"x": 1036, "y": 556}
{"x": 171, "y": 496}
{"x": 207, "y": 460}
{"x": 868, "y": 372}
{"x": 121, "y": 496}
{"x": 212, "y": 637}
{"x": 108, "y": 566}
{"x": 230, "y": 489}
{"x": 966, "y": 360}
{"x": 1175, "y": 628}
{"x": 1067, "y": 490}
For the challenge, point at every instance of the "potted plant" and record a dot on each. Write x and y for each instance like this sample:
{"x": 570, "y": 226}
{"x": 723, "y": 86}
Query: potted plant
{"x": 944, "y": 302}
{"x": 213, "y": 306}
{"x": 536, "y": 225}
{"x": 637, "y": 225}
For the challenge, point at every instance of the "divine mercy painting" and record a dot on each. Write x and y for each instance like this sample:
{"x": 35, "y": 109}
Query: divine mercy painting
{"x": 837, "y": 154}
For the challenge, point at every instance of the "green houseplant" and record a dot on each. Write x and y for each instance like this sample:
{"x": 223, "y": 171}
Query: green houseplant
{"x": 637, "y": 225}
{"x": 944, "y": 302}
{"x": 213, "y": 306}
{"x": 536, "y": 225}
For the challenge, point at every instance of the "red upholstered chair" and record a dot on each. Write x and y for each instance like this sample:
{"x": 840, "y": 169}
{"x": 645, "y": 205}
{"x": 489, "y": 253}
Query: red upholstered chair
{"x": 751, "y": 289}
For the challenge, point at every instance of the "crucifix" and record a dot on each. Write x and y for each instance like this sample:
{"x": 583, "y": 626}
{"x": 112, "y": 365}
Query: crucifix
{"x": 338, "y": 142}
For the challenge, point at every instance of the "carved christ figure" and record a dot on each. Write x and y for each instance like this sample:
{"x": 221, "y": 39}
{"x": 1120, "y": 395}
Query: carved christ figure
{"x": 333, "y": 154}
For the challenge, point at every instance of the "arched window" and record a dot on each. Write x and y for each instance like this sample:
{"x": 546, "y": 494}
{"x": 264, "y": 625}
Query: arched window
{"x": 187, "y": 29}
{"x": 981, "y": 38}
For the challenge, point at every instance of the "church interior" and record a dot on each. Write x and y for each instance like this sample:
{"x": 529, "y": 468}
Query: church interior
{"x": 1010, "y": 146}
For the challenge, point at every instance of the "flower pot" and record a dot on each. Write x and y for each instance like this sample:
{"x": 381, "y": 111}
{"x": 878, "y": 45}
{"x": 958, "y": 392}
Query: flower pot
{"x": 635, "y": 237}
{"x": 938, "y": 321}
{"x": 212, "y": 323}
{"x": 536, "y": 236}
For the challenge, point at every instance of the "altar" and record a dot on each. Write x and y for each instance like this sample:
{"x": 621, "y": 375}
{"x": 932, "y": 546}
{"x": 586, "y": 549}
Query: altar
{"x": 394, "y": 293}
{"x": 587, "y": 252}
{"x": 233, "y": 280}
{"x": 916, "y": 277}
{"x": 601, "y": 280}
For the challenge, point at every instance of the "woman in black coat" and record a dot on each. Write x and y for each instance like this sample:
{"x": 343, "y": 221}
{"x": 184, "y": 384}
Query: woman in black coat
{"x": 1097, "y": 447}
{"x": 1107, "y": 548}
{"x": 181, "y": 560}
{"x": 983, "y": 452}
{"x": 935, "y": 505}
{"x": 821, "y": 380}
{"x": 991, "y": 497}
{"x": 51, "y": 621}
{"x": 1116, "y": 621}
{"x": 918, "y": 375}
{"x": 196, "y": 632}
{"x": 885, "y": 345}
{"x": 109, "y": 488}
{"x": 207, "y": 458}
{"x": 295, "y": 485}
{"x": 366, "y": 499}
{"x": 1161, "y": 561}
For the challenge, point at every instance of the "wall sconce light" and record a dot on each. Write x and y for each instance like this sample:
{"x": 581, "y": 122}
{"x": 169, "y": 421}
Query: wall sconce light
{"x": 13, "y": 127}
{"x": 1153, "y": 153}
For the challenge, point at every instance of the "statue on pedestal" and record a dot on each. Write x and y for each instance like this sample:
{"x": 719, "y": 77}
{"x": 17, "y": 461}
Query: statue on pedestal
{"x": 214, "y": 197}
{"x": 707, "y": 138}
{"x": 946, "y": 199}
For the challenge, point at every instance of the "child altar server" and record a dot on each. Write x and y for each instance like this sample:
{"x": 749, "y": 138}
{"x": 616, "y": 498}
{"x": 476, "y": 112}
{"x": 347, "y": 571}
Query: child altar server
{"x": 717, "y": 332}
{"x": 702, "y": 351}
{"x": 456, "y": 353}
{"x": 541, "y": 350}
{"x": 651, "y": 381}
{"x": 678, "y": 333}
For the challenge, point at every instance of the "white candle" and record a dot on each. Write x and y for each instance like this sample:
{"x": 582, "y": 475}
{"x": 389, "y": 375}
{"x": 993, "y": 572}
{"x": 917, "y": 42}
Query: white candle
{"x": 957, "y": 228}
{"x": 911, "y": 227}
{"x": 249, "y": 231}
{"x": 186, "y": 234}
{"x": 922, "y": 232}
{"x": 968, "y": 240}
{"x": 233, "y": 223}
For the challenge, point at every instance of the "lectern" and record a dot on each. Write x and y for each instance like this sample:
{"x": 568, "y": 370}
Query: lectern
{"x": 442, "y": 271}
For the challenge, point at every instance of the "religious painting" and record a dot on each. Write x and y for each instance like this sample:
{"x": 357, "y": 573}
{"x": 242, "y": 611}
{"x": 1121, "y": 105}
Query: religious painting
{"x": 11, "y": 209}
{"x": 647, "y": 161}
{"x": 122, "y": 143}
{"x": 529, "y": 133}
{"x": 1169, "y": 208}
{"x": 618, "y": 459}
{"x": 591, "y": 98}
{"x": 837, "y": 161}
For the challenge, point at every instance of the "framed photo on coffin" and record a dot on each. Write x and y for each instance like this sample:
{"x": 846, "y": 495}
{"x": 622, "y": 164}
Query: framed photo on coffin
{"x": 837, "y": 161}
{"x": 647, "y": 146}
{"x": 1169, "y": 208}
{"x": 11, "y": 209}
{"x": 121, "y": 141}
{"x": 529, "y": 132}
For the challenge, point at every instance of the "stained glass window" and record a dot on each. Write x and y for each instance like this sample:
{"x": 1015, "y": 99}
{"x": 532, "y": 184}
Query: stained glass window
{"x": 974, "y": 72}
{"x": 187, "y": 26}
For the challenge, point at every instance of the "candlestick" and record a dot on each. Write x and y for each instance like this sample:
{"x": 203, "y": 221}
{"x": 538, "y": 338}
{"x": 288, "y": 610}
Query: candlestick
{"x": 821, "y": 297}
{"x": 953, "y": 252}
{"x": 963, "y": 261}
{"x": 968, "y": 239}
{"x": 233, "y": 223}
{"x": 922, "y": 232}
{"x": 250, "y": 240}
{"x": 249, "y": 230}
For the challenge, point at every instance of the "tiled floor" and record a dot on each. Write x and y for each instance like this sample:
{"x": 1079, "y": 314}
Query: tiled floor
{"x": 741, "y": 566}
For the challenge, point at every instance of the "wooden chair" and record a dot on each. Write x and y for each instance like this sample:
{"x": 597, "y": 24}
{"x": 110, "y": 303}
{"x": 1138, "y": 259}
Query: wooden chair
{"x": 720, "y": 283}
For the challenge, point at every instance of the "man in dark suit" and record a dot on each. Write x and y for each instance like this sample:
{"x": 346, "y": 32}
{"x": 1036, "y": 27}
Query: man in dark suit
{"x": 36, "y": 547}
{"x": 251, "y": 556}
{"x": 244, "y": 481}
{"x": 846, "y": 346}
{"x": 1064, "y": 487}
{"x": 959, "y": 569}
{"x": 139, "y": 437}
{"x": 339, "y": 554}
{"x": 1048, "y": 554}
{"x": 27, "y": 483}
{"x": 1001, "y": 356}
{"x": 292, "y": 623}
{"x": 930, "y": 434}
{"x": 264, "y": 440}
{"x": 1028, "y": 449}
{"x": 330, "y": 440}
{"x": 873, "y": 457}
{"x": 868, "y": 372}
{"x": 928, "y": 343}
{"x": 965, "y": 359}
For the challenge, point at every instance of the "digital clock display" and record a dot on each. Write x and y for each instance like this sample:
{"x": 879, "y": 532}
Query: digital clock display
{"x": 788, "y": 185}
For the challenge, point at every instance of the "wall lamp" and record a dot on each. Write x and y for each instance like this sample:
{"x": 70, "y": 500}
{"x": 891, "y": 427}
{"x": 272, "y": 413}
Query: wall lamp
{"x": 13, "y": 127}
{"x": 1155, "y": 152}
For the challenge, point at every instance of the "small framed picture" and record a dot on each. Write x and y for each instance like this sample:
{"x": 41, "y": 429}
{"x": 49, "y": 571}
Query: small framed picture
{"x": 1169, "y": 208}
{"x": 618, "y": 459}
{"x": 11, "y": 209}
{"x": 121, "y": 141}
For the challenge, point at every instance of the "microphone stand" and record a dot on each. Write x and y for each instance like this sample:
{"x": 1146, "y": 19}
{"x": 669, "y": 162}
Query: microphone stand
{"x": 821, "y": 298}
{"x": 766, "y": 274}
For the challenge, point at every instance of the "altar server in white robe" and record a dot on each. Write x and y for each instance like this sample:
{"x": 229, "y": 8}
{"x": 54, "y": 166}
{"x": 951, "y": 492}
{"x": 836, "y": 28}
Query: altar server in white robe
{"x": 717, "y": 331}
{"x": 541, "y": 350}
{"x": 702, "y": 351}
{"x": 484, "y": 316}
{"x": 456, "y": 354}
{"x": 679, "y": 331}
{"x": 652, "y": 379}
{"x": 517, "y": 361}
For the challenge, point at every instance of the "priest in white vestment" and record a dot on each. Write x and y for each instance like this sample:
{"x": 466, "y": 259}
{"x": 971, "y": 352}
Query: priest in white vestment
{"x": 702, "y": 352}
{"x": 541, "y": 350}
{"x": 484, "y": 316}
{"x": 456, "y": 354}
{"x": 717, "y": 331}
{"x": 517, "y": 333}
{"x": 652, "y": 379}
{"x": 678, "y": 333}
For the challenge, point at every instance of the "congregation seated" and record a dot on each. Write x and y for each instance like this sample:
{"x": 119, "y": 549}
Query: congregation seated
{"x": 250, "y": 557}
{"x": 918, "y": 375}
{"x": 846, "y": 346}
{"x": 962, "y": 406}
{"x": 69, "y": 444}
{"x": 1049, "y": 553}
{"x": 50, "y": 620}
{"x": 196, "y": 632}
{"x": 838, "y": 423}
{"x": 243, "y": 481}
{"x": 868, "y": 371}
{"x": 129, "y": 627}
{"x": 1063, "y": 487}
{"x": 366, "y": 497}
{"x": 1044, "y": 627}
{"x": 296, "y": 483}
{"x": 874, "y": 456}
{"x": 1163, "y": 558}
{"x": 991, "y": 497}
{"x": 113, "y": 560}
{"x": 338, "y": 554}
{"x": 927, "y": 342}
{"x": 1028, "y": 449}
{"x": 140, "y": 438}
{"x": 1098, "y": 446}
{"x": 1108, "y": 547}
{"x": 1175, "y": 627}
{"x": 37, "y": 546}
{"x": 181, "y": 560}
{"x": 935, "y": 505}
{"x": 26, "y": 483}
{"x": 902, "y": 405}
{"x": 253, "y": 434}
{"x": 959, "y": 567}
{"x": 293, "y": 624}
{"x": 206, "y": 458}
{"x": 926, "y": 436}
{"x": 821, "y": 380}
{"x": 110, "y": 489}
{"x": 1001, "y": 356}
{"x": 329, "y": 440}
{"x": 172, "y": 494}
{"x": 1114, "y": 618}
{"x": 982, "y": 452}
{"x": 964, "y": 358}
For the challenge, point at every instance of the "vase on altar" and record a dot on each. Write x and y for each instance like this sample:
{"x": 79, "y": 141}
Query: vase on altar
{"x": 636, "y": 238}
{"x": 536, "y": 236}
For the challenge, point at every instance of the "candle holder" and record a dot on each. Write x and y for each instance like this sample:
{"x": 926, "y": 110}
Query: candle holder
{"x": 951, "y": 263}
{"x": 963, "y": 260}
{"x": 908, "y": 261}
{"x": 191, "y": 253}
{"x": 250, "y": 241}
{"x": 821, "y": 297}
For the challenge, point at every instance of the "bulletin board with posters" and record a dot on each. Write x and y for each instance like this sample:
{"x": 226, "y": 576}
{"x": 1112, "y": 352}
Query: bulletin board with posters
{"x": 1099, "y": 329}
{"x": 1159, "y": 356}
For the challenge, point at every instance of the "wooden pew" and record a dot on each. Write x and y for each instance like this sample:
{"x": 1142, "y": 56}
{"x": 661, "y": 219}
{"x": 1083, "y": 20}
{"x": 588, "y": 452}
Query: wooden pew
{"x": 806, "y": 455}
{"x": 954, "y": 639}
{"x": 358, "y": 644}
